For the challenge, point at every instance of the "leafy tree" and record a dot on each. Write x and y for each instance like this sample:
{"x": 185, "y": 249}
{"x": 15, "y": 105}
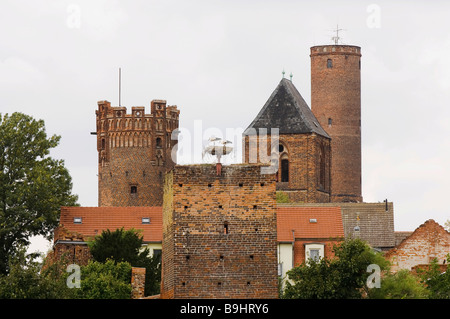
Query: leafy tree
{"x": 436, "y": 280}
{"x": 128, "y": 246}
{"x": 33, "y": 186}
{"x": 342, "y": 277}
{"x": 27, "y": 280}
{"x": 313, "y": 280}
{"x": 108, "y": 280}
{"x": 400, "y": 285}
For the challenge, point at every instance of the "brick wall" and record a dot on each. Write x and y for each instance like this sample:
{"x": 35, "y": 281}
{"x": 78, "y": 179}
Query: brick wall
{"x": 70, "y": 247}
{"x": 219, "y": 233}
{"x": 336, "y": 103}
{"x": 134, "y": 153}
{"x": 430, "y": 240}
{"x": 299, "y": 248}
{"x": 308, "y": 181}
{"x": 137, "y": 282}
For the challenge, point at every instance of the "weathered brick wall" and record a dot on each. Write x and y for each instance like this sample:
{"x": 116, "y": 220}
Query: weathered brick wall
{"x": 134, "y": 153}
{"x": 137, "y": 282}
{"x": 428, "y": 241}
{"x": 307, "y": 182}
{"x": 336, "y": 103}
{"x": 70, "y": 247}
{"x": 219, "y": 233}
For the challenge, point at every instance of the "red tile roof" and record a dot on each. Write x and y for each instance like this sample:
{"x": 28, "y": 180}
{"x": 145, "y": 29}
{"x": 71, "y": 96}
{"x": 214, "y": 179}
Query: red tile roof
{"x": 97, "y": 219}
{"x": 328, "y": 223}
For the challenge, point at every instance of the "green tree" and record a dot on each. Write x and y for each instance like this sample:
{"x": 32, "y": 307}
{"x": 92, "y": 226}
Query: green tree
{"x": 437, "y": 280}
{"x": 128, "y": 246}
{"x": 400, "y": 285}
{"x": 33, "y": 186}
{"x": 27, "y": 280}
{"x": 108, "y": 280}
{"x": 342, "y": 277}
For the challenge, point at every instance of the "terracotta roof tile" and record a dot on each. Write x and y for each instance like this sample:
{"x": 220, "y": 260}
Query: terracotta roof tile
{"x": 97, "y": 219}
{"x": 328, "y": 222}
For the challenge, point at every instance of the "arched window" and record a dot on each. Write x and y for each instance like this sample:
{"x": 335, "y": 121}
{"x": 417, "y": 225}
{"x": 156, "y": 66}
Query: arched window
{"x": 158, "y": 142}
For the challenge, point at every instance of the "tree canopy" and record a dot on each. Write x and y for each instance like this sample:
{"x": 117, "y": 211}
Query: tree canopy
{"x": 123, "y": 245}
{"x": 342, "y": 277}
{"x": 33, "y": 186}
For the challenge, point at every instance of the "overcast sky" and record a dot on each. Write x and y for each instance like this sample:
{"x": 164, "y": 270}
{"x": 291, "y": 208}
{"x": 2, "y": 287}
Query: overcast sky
{"x": 219, "y": 61}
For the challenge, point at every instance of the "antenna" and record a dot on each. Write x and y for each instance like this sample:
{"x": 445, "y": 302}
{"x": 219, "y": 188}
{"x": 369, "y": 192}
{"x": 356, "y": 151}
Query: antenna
{"x": 120, "y": 78}
{"x": 336, "y": 38}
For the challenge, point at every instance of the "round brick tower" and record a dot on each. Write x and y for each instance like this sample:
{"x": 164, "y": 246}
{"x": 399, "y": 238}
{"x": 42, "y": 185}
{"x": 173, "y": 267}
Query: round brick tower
{"x": 336, "y": 103}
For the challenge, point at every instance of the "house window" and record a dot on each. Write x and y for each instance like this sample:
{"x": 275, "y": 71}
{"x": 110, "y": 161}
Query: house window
{"x": 133, "y": 189}
{"x": 314, "y": 254}
{"x": 314, "y": 251}
{"x": 145, "y": 220}
{"x": 77, "y": 220}
{"x": 284, "y": 170}
{"x": 329, "y": 63}
{"x": 330, "y": 121}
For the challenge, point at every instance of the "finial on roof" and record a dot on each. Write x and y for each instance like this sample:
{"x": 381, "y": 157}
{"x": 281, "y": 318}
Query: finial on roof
{"x": 291, "y": 75}
{"x": 283, "y": 73}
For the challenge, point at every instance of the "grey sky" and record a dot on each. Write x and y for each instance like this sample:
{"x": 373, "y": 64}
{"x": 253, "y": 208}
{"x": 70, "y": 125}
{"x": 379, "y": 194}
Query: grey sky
{"x": 219, "y": 61}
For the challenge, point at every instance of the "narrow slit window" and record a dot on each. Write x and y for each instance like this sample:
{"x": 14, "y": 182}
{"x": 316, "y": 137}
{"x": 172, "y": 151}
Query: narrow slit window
{"x": 329, "y": 63}
{"x": 284, "y": 170}
{"x": 133, "y": 189}
{"x": 225, "y": 228}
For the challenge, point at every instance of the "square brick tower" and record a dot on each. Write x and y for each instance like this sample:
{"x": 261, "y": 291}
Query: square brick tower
{"x": 303, "y": 150}
{"x": 134, "y": 152}
{"x": 219, "y": 233}
{"x": 336, "y": 103}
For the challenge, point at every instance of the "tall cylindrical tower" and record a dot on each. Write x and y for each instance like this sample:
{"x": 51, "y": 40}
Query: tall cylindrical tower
{"x": 336, "y": 103}
{"x": 134, "y": 153}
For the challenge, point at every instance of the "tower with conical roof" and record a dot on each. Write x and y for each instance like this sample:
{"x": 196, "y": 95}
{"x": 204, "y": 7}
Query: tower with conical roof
{"x": 303, "y": 150}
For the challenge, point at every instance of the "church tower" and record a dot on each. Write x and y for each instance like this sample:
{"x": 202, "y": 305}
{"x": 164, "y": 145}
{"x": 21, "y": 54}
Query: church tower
{"x": 302, "y": 148}
{"x": 134, "y": 152}
{"x": 336, "y": 103}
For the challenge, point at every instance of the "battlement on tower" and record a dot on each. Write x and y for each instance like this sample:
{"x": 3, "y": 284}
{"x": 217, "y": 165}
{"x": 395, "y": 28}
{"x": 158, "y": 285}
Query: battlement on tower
{"x": 336, "y": 49}
{"x": 134, "y": 152}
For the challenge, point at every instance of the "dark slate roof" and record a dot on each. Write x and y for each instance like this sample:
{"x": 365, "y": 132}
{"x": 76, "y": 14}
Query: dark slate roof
{"x": 286, "y": 110}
